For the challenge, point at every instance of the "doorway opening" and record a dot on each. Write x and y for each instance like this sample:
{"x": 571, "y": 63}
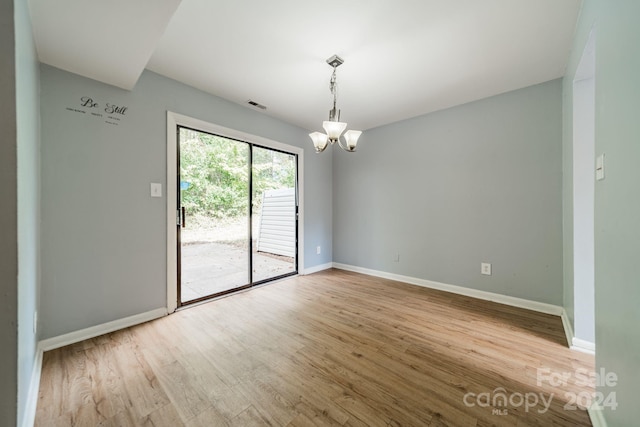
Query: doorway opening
{"x": 584, "y": 200}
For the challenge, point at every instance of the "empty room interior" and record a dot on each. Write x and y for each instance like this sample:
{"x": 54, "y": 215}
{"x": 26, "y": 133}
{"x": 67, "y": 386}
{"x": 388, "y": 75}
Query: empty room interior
{"x": 415, "y": 213}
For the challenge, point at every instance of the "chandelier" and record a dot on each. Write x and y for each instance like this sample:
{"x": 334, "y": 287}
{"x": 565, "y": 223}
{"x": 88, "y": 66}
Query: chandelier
{"x": 334, "y": 127}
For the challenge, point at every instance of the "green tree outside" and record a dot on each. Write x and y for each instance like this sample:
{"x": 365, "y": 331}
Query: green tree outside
{"x": 214, "y": 175}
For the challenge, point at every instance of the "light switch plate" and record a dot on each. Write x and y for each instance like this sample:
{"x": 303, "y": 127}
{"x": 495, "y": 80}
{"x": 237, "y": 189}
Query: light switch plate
{"x": 156, "y": 189}
{"x": 600, "y": 167}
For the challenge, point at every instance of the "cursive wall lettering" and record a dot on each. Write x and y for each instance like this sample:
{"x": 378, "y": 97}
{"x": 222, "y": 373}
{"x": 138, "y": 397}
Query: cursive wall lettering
{"x": 114, "y": 109}
{"x": 113, "y": 112}
{"x": 85, "y": 101}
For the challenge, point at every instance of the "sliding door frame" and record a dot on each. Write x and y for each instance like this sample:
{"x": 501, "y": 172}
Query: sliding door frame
{"x": 173, "y": 121}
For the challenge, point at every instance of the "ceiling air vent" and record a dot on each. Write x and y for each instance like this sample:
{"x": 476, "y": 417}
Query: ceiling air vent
{"x": 255, "y": 104}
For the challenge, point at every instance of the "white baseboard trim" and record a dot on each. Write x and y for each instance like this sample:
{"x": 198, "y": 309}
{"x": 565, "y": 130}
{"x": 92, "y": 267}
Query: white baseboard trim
{"x": 596, "y": 414}
{"x": 105, "y": 328}
{"x": 583, "y": 346}
{"x": 574, "y": 343}
{"x": 318, "y": 268}
{"x": 474, "y": 293}
{"x": 29, "y": 417}
{"x": 568, "y": 329}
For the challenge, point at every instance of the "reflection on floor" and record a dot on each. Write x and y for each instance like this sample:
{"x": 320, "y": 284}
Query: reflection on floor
{"x": 333, "y": 349}
{"x": 211, "y": 267}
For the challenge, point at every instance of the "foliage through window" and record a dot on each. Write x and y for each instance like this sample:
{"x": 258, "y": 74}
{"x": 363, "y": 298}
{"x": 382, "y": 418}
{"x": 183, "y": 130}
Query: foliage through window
{"x": 214, "y": 175}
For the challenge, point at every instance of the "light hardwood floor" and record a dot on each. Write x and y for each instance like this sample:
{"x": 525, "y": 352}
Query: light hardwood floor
{"x": 332, "y": 348}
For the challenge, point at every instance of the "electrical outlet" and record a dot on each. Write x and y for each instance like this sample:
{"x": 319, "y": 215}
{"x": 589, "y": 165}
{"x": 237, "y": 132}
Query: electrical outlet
{"x": 35, "y": 322}
{"x": 396, "y": 257}
{"x": 485, "y": 268}
{"x": 318, "y": 250}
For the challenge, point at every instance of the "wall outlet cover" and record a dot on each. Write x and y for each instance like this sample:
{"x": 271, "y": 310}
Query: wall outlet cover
{"x": 485, "y": 268}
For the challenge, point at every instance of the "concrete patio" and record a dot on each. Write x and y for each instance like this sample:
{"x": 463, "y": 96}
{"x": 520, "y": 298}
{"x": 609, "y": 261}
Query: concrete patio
{"x": 212, "y": 267}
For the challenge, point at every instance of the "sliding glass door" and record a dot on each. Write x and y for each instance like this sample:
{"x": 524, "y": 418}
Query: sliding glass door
{"x": 274, "y": 214}
{"x": 237, "y": 209}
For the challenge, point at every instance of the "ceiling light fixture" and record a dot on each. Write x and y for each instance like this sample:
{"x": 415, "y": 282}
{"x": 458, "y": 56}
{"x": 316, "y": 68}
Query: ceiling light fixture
{"x": 334, "y": 127}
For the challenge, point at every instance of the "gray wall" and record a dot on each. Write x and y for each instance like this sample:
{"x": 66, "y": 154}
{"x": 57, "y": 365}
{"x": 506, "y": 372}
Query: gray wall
{"x": 103, "y": 237}
{"x": 475, "y": 183}
{"x": 28, "y": 127}
{"x": 617, "y": 200}
{"x": 8, "y": 219}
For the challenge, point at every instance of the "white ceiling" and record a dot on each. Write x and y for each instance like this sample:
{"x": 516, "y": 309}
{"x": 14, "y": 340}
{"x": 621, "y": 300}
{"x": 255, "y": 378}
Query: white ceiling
{"x": 109, "y": 41}
{"x": 403, "y": 58}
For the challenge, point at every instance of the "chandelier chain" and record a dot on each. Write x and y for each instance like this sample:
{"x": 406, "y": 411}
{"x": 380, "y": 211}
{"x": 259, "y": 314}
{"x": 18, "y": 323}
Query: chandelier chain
{"x": 332, "y": 84}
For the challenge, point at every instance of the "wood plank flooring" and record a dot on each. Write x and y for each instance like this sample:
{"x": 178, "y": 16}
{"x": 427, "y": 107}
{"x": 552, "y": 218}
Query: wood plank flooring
{"x": 333, "y": 348}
